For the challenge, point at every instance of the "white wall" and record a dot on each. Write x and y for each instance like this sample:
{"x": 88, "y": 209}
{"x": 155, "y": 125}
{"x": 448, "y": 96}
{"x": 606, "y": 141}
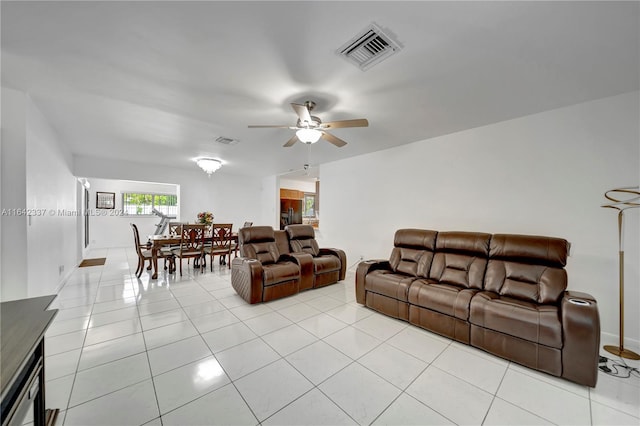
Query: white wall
{"x": 38, "y": 251}
{"x": 13, "y": 278}
{"x": 231, "y": 198}
{"x": 52, "y": 237}
{"x": 543, "y": 174}
{"x": 270, "y": 202}
{"x": 108, "y": 228}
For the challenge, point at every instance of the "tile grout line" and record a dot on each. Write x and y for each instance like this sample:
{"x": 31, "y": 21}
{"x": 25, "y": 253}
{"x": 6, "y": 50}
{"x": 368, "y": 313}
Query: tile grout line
{"x": 146, "y": 352}
{"x": 281, "y": 357}
{"x": 495, "y": 394}
{"x": 116, "y": 390}
{"x": 352, "y": 361}
{"x": 231, "y": 381}
{"x": 404, "y": 391}
{"x": 75, "y": 374}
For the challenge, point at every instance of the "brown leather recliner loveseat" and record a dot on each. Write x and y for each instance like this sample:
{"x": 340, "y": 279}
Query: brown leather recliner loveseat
{"x": 503, "y": 293}
{"x": 273, "y": 265}
{"x": 329, "y": 264}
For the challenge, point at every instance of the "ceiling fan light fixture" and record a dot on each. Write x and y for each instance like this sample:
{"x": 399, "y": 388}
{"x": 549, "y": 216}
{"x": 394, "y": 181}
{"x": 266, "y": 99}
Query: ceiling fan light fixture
{"x": 209, "y": 165}
{"x": 309, "y": 128}
{"x": 309, "y": 135}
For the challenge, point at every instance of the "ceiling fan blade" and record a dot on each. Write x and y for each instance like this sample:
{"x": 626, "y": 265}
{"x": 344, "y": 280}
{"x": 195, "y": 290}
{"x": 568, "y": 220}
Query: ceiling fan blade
{"x": 333, "y": 139}
{"x": 360, "y": 122}
{"x": 303, "y": 113}
{"x": 291, "y": 141}
{"x": 254, "y": 126}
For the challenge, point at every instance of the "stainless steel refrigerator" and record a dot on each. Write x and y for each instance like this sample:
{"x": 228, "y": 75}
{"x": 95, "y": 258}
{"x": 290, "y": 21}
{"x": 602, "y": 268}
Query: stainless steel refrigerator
{"x": 290, "y": 212}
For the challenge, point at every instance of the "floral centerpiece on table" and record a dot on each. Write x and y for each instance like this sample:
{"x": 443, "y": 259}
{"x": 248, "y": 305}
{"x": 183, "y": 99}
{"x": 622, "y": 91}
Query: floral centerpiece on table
{"x": 206, "y": 218}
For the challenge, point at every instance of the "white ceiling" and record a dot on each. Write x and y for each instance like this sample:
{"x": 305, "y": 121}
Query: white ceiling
{"x": 158, "y": 82}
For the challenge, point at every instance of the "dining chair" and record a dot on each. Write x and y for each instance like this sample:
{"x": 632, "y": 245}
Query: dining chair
{"x": 236, "y": 243}
{"x": 144, "y": 253}
{"x": 191, "y": 244}
{"x": 221, "y": 243}
{"x": 174, "y": 228}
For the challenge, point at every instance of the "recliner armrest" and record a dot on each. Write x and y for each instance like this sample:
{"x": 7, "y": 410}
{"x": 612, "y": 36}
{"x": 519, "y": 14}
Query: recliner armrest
{"x": 364, "y": 268}
{"x": 340, "y": 254}
{"x": 581, "y": 333}
{"x": 305, "y": 262}
{"x": 247, "y": 279}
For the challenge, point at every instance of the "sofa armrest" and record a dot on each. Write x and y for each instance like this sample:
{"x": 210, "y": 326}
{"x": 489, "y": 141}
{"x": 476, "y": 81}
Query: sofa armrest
{"x": 364, "y": 268}
{"x": 340, "y": 254}
{"x": 305, "y": 262}
{"x": 246, "y": 279}
{"x": 581, "y": 331}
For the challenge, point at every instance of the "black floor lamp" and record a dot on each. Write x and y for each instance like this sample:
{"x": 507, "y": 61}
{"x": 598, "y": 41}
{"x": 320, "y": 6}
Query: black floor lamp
{"x": 631, "y": 201}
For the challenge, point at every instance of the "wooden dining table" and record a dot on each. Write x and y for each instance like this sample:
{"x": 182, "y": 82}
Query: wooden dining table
{"x": 159, "y": 241}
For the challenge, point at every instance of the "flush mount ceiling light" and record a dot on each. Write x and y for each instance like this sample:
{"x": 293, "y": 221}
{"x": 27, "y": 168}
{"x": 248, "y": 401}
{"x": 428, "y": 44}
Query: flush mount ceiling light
{"x": 209, "y": 165}
{"x": 309, "y": 135}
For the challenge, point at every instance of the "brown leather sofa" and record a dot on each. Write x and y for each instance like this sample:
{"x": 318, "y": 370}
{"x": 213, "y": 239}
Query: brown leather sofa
{"x": 272, "y": 266}
{"x": 503, "y": 293}
{"x": 329, "y": 264}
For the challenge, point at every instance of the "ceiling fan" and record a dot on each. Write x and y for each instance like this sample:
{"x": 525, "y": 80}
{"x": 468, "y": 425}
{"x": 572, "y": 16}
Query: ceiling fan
{"x": 309, "y": 128}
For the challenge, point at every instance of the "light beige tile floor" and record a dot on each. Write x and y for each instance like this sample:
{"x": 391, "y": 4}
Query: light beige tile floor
{"x": 188, "y": 351}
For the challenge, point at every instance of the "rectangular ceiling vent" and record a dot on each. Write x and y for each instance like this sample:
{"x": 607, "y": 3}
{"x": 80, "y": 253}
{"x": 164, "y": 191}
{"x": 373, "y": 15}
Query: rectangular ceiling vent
{"x": 369, "y": 47}
{"x": 226, "y": 141}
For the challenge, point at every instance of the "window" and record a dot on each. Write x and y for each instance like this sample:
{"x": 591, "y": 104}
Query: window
{"x": 134, "y": 203}
{"x": 309, "y": 205}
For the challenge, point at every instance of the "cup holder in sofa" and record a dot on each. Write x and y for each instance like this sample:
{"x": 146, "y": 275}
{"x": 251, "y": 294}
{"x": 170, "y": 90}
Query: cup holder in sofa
{"x": 579, "y": 302}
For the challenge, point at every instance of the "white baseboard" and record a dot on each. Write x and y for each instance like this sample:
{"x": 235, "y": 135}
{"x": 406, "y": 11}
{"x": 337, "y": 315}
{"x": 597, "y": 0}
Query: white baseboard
{"x": 614, "y": 339}
{"x": 64, "y": 279}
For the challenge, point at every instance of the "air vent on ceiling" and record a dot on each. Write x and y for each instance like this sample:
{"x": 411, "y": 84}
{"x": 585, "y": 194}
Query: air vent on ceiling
{"x": 226, "y": 141}
{"x": 369, "y": 47}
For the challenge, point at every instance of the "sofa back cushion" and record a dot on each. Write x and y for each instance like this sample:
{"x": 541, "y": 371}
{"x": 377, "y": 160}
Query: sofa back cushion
{"x": 258, "y": 242}
{"x": 302, "y": 238}
{"x": 282, "y": 241}
{"x": 413, "y": 251}
{"x": 460, "y": 259}
{"x": 527, "y": 267}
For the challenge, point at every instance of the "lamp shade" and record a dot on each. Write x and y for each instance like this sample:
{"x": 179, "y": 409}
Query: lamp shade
{"x": 309, "y": 135}
{"x": 209, "y": 165}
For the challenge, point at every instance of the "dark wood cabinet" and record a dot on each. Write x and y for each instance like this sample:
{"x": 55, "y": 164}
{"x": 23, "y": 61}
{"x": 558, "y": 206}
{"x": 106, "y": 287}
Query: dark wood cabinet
{"x": 22, "y": 327}
{"x": 291, "y": 194}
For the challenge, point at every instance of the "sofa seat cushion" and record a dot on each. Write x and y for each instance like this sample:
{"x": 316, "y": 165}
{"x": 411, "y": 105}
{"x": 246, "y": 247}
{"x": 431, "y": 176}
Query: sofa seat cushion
{"x": 443, "y": 298}
{"x": 519, "y": 318}
{"x": 324, "y": 264}
{"x": 388, "y": 283}
{"x": 275, "y": 273}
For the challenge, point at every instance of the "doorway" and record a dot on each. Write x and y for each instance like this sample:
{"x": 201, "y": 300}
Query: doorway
{"x": 299, "y": 198}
